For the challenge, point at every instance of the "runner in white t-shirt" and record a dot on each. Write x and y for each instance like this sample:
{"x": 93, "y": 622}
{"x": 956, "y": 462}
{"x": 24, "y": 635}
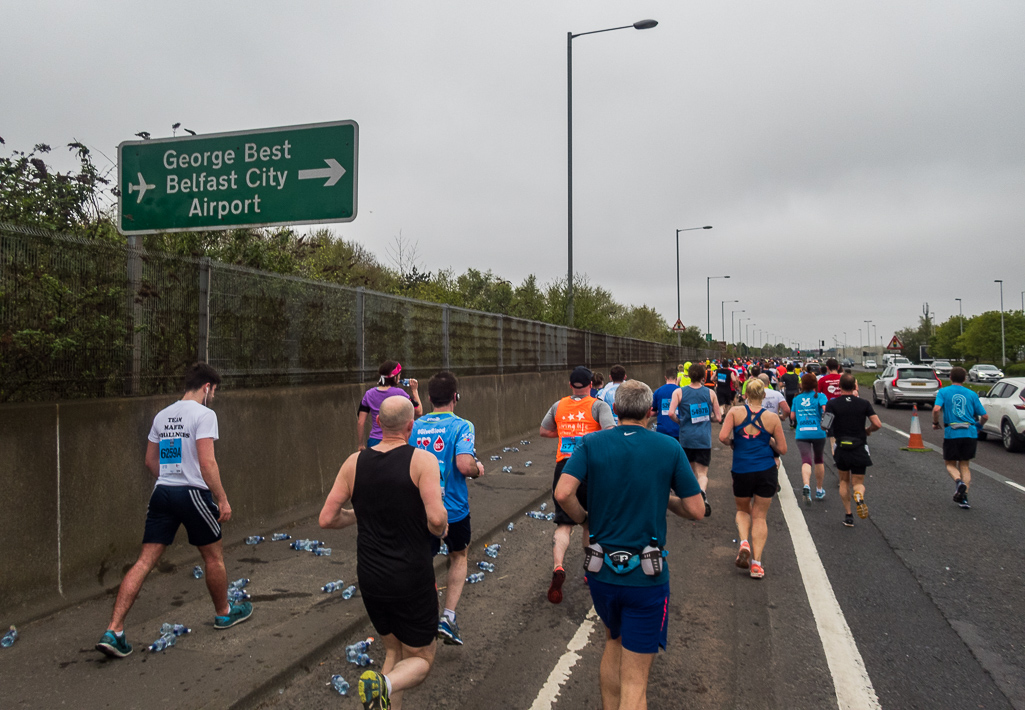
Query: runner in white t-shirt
{"x": 188, "y": 492}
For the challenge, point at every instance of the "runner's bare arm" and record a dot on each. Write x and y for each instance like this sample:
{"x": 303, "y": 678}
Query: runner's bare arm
{"x": 717, "y": 409}
{"x": 566, "y": 495}
{"x": 418, "y": 410}
{"x": 691, "y": 507}
{"x": 775, "y": 428}
{"x": 727, "y": 426}
{"x": 427, "y": 477}
{"x": 469, "y": 466}
{"x": 333, "y": 515}
{"x": 873, "y": 424}
{"x": 784, "y": 410}
{"x": 212, "y": 477}
{"x": 153, "y": 458}
{"x": 361, "y": 423}
{"x": 548, "y": 433}
{"x": 674, "y": 403}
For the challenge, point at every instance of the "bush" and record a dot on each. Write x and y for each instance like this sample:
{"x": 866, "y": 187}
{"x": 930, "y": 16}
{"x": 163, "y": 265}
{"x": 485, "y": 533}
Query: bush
{"x": 1015, "y": 370}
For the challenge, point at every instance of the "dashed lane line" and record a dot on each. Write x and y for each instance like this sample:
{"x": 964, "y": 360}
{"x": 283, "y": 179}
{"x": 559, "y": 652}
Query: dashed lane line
{"x": 1000, "y": 478}
{"x": 851, "y": 682}
{"x": 560, "y": 674}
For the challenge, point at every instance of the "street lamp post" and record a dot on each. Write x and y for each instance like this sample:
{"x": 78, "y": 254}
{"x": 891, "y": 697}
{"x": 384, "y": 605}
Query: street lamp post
{"x": 678, "y": 317}
{"x": 960, "y": 315}
{"x": 722, "y": 309}
{"x": 1003, "y": 348}
{"x": 746, "y": 326}
{"x": 708, "y": 302}
{"x": 733, "y": 336}
{"x": 639, "y": 25}
{"x": 844, "y": 345}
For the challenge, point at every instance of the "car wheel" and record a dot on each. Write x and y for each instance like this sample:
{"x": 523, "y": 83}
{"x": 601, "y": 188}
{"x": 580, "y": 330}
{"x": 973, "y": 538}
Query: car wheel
{"x": 1011, "y": 440}
{"x": 887, "y": 402}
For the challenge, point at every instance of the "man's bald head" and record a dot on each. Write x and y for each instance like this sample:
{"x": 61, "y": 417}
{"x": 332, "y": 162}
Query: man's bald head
{"x": 395, "y": 415}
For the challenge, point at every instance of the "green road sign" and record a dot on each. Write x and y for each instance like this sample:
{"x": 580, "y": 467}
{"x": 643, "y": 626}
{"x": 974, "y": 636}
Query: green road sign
{"x": 261, "y": 178}
{"x": 708, "y": 337}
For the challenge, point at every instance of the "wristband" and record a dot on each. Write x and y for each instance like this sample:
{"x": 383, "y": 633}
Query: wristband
{"x": 415, "y": 404}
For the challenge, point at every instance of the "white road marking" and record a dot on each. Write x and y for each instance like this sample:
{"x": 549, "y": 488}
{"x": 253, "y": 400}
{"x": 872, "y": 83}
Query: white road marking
{"x": 560, "y": 674}
{"x": 851, "y": 683}
{"x": 1012, "y": 483}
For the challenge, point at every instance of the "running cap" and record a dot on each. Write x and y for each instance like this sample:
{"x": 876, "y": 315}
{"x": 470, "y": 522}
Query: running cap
{"x": 580, "y": 376}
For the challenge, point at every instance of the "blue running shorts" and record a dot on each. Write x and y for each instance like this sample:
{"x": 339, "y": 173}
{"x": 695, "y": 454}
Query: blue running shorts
{"x": 640, "y": 615}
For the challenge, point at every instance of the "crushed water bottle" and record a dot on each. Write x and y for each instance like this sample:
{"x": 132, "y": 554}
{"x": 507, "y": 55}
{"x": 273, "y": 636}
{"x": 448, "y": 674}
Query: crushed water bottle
{"x": 528, "y": 464}
{"x": 277, "y": 537}
{"x": 543, "y": 507}
{"x": 507, "y": 449}
{"x": 486, "y": 566}
{"x": 506, "y": 469}
{"x": 197, "y": 572}
{"x": 360, "y": 648}
{"x": 496, "y": 458}
{"x": 254, "y": 540}
{"x": 305, "y": 545}
{"x": 534, "y": 514}
{"x": 475, "y": 577}
{"x": 349, "y": 591}
{"x": 339, "y": 684}
{"x": 510, "y": 527}
{"x": 550, "y": 517}
{"x": 176, "y": 629}
{"x": 524, "y": 442}
{"x": 514, "y": 449}
{"x": 239, "y": 583}
{"x": 443, "y": 550}
{"x": 332, "y": 586}
{"x": 9, "y": 638}
{"x": 492, "y": 550}
{"x": 236, "y": 594}
{"x": 322, "y": 551}
{"x": 165, "y": 641}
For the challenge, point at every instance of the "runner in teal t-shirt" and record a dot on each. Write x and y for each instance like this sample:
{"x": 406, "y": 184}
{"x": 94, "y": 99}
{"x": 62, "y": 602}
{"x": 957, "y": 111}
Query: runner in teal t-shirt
{"x": 961, "y": 409}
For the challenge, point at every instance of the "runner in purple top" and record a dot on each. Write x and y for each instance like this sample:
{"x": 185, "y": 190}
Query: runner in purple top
{"x": 390, "y": 373}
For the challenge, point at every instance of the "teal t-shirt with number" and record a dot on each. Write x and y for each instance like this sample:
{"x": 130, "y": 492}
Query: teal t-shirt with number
{"x": 960, "y": 408}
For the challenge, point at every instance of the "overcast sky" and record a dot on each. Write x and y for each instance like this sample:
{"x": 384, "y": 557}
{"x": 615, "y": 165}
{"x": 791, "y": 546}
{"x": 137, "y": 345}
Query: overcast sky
{"x": 855, "y": 159}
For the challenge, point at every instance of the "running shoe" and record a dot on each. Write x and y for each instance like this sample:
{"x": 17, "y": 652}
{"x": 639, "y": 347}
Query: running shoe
{"x": 757, "y": 571}
{"x": 859, "y": 498}
{"x": 113, "y": 646}
{"x": 708, "y": 508}
{"x": 448, "y": 631}
{"x": 236, "y": 615}
{"x": 806, "y": 494}
{"x": 744, "y": 555}
{"x": 820, "y": 494}
{"x": 960, "y": 492}
{"x": 373, "y": 691}
{"x": 555, "y": 590}
{"x": 848, "y": 520}
{"x": 964, "y": 502}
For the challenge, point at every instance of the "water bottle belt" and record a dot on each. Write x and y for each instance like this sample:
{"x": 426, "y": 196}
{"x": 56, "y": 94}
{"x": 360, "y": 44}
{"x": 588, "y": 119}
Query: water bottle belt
{"x": 623, "y": 562}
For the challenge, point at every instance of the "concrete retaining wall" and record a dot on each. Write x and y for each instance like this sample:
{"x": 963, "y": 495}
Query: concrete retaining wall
{"x": 75, "y": 488}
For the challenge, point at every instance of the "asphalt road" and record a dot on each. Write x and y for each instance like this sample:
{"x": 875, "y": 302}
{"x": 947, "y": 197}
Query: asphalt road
{"x": 931, "y": 593}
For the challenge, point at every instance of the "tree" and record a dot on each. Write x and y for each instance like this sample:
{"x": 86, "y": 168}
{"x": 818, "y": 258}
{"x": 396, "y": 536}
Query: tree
{"x": 528, "y": 300}
{"x": 981, "y": 339}
{"x": 944, "y": 342}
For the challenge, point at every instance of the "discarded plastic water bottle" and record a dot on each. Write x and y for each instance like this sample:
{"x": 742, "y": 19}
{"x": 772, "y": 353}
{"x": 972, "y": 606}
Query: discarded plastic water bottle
{"x": 352, "y": 651}
{"x": 534, "y": 514}
{"x": 405, "y": 383}
{"x": 514, "y": 449}
{"x": 305, "y": 545}
{"x": 507, "y": 449}
{"x": 254, "y": 540}
{"x": 176, "y": 629}
{"x": 510, "y": 527}
{"x": 322, "y": 551}
{"x": 506, "y": 469}
{"x": 239, "y": 583}
{"x": 349, "y": 591}
{"x": 528, "y": 464}
{"x": 277, "y": 537}
{"x": 332, "y": 586}
{"x": 363, "y": 660}
{"x": 339, "y": 684}
{"x": 9, "y": 638}
{"x": 550, "y": 517}
{"x": 486, "y": 566}
{"x": 496, "y": 458}
{"x": 197, "y": 572}
{"x": 165, "y": 641}
{"x": 237, "y": 595}
{"x": 443, "y": 550}
{"x": 543, "y": 506}
{"x": 492, "y": 550}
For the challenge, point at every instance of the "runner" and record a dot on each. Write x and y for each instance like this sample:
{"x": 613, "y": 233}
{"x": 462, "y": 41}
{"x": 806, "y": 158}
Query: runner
{"x": 774, "y": 401}
{"x": 726, "y": 386}
{"x": 664, "y": 423}
{"x": 961, "y": 409}
{"x": 851, "y": 454}
{"x": 188, "y": 492}
{"x": 791, "y": 385}
{"x": 569, "y": 420}
{"x": 397, "y": 506}
{"x": 806, "y": 417}
{"x": 682, "y": 376}
{"x": 757, "y": 438}
{"x": 617, "y": 374}
{"x": 630, "y": 473}
{"x": 694, "y": 408}
{"x": 452, "y": 440}
{"x": 390, "y": 372}
{"x": 597, "y": 382}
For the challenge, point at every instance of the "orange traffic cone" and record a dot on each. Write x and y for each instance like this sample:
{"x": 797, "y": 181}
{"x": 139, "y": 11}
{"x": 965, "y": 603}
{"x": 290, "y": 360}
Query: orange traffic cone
{"x": 915, "y": 442}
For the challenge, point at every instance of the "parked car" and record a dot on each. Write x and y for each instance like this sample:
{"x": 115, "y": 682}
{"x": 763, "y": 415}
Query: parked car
{"x": 1005, "y": 405}
{"x": 985, "y": 373}
{"x": 905, "y": 383}
{"x": 942, "y": 367}
{"x": 900, "y": 360}
{"x": 870, "y": 364}
{"x": 847, "y": 363}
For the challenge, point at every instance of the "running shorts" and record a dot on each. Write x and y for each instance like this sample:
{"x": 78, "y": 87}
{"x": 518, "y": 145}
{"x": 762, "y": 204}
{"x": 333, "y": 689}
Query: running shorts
{"x": 761, "y": 483}
{"x": 561, "y": 518}
{"x": 698, "y": 456}
{"x": 812, "y": 450}
{"x": 458, "y": 538}
{"x": 855, "y": 460}
{"x": 640, "y": 615}
{"x": 959, "y": 449}
{"x": 725, "y": 397}
{"x": 413, "y": 620}
{"x": 172, "y": 506}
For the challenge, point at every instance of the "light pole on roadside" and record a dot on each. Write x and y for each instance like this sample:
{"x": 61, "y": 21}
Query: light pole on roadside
{"x": 639, "y": 25}
{"x": 708, "y": 304}
{"x": 688, "y": 229}
{"x": 722, "y": 309}
{"x": 960, "y": 315}
{"x": 1003, "y": 348}
{"x": 844, "y": 344}
{"x": 747, "y": 342}
{"x": 733, "y": 336}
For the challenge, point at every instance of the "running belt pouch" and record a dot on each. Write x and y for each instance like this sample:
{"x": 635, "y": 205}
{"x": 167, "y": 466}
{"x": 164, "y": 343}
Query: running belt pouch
{"x": 960, "y": 425}
{"x": 594, "y": 557}
{"x": 848, "y": 444}
{"x": 651, "y": 561}
{"x": 827, "y": 420}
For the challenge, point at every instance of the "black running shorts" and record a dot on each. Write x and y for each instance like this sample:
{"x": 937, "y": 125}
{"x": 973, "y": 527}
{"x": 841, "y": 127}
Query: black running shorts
{"x": 760, "y": 483}
{"x": 855, "y": 460}
{"x": 725, "y": 397}
{"x": 959, "y": 449}
{"x": 413, "y": 620}
{"x": 172, "y": 506}
{"x": 699, "y": 456}
{"x": 458, "y": 538}
{"x": 560, "y": 515}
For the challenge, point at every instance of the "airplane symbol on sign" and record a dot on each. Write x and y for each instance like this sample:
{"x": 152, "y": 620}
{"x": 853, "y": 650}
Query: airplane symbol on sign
{"x": 140, "y": 188}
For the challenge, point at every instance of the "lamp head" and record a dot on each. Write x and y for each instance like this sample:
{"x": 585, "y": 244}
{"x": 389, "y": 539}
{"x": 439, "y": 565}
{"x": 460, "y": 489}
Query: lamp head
{"x": 708, "y": 227}
{"x": 645, "y": 24}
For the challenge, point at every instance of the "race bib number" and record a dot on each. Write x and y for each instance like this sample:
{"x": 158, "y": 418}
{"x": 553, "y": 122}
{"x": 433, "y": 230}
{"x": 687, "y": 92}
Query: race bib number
{"x": 665, "y": 407}
{"x": 170, "y": 456}
{"x": 568, "y": 443}
{"x": 699, "y": 413}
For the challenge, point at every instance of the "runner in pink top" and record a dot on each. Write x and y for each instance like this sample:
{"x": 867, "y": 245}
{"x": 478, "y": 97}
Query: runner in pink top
{"x": 390, "y": 374}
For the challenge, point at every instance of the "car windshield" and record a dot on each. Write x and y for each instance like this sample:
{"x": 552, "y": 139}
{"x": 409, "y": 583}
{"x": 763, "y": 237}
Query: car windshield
{"x": 941, "y": 363}
{"x": 915, "y": 373}
{"x": 991, "y": 368}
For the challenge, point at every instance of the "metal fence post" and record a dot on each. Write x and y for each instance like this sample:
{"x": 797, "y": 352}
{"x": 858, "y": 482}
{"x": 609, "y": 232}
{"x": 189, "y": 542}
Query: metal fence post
{"x": 501, "y": 345}
{"x": 360, "y": 310}
{"x": 203, "y": 349}
{"x": 446, "y": 354}
{"x": 135, "y": 313}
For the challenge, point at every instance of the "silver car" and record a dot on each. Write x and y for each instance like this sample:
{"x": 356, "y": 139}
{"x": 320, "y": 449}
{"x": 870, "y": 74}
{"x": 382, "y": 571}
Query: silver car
{"x": 905, "y": 383}
{"x": 942, "y": 367}
{"x": 985, "y": 373}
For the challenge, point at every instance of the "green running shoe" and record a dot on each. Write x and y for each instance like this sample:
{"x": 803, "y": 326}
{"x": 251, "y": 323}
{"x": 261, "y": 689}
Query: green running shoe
{"x": 113, "y": 646}
{"x": 373, "y": 691}
{"x": 236, "y": 615}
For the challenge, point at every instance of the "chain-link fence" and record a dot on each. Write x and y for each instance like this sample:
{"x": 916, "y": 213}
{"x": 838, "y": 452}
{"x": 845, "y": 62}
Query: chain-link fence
{"x": 81, "y": 318}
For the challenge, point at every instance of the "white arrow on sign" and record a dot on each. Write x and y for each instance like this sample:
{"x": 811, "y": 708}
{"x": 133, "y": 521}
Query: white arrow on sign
{"x": 333, "y": 172}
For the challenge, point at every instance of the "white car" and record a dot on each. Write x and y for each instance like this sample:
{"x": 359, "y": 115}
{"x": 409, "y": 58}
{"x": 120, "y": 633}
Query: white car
{"x": 1005, "y": 405}
{"x": 870, "y": 364}
{"x": 942, "y": 367}
{"x": 984, "y": 373}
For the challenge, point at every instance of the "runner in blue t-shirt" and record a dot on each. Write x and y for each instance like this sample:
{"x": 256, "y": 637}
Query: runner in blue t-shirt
{"x": 661, "y": 399}
{"x": 806, "y": 414}
{"x": 961, "y": 410}
{"x": 630, "y": 474}
{"x": 607, "y": 394}
{"x": 452, "y": 440}
{"x": 694, "y": 408}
